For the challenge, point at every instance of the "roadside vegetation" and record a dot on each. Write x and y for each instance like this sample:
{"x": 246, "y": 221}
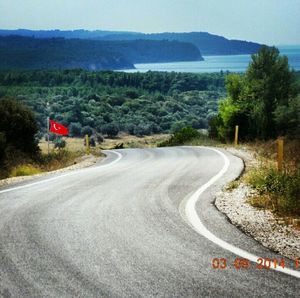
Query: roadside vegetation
{"x": 41, "y": 163}
{"x": 265, "y": 103}
{"x": 190, "y": 137}
{"x": 19, "y": 151}
{"x": 278, "y": 191}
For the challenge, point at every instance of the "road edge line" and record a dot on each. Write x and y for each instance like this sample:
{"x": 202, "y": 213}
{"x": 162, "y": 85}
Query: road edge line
{"x": 198, "y": 226}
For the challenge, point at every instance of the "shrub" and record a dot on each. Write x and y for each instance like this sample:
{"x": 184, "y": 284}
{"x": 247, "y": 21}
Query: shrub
{"x": 59, "y": 143}
{"x": 75, "y": 129}
{"x": 130, "y": 128}
{"x": 179, "y": 138}
{"x": 2, "y": 146}
{"x": 142, "y": 129}
{"x": 131, "y": 94}
{"x": 281, "y": 189}
{"x": 110, "y": 129}
{"x": 100, "y": 138}
{"x": 24, "y": 170}
{"x": 86, "y": 130}
{"x": 18, "y": 127}
{"x": 287, "y": 117}
{"x": 52, "y": 137}
{"x": 57, "y": 160}
{"x": 177, "y": 126}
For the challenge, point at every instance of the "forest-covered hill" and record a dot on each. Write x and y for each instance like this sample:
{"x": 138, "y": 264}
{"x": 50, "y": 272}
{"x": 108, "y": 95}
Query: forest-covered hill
{"x": 208, "y": 44}
{"x": 137, "y": 103}
{"x": 17, "y": 52}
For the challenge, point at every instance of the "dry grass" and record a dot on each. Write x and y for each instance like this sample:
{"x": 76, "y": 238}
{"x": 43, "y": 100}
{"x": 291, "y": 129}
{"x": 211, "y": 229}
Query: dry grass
{"x": 72, "y": 144}
{"x": 232, "y": 185}
{"x": 130, "y": 141}
{"x": 277, "y": 191}
{"x": 25, "y": 170}
{"x": 266, "y": 152}
{"x": 43, "y": 163}
{"x": 262, "y": 202}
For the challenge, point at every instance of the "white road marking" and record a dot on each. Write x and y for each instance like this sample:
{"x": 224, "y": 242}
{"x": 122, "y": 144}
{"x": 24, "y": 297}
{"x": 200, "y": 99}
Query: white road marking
{"x": 63, "y": 175}
{"x": 198, "y": 226}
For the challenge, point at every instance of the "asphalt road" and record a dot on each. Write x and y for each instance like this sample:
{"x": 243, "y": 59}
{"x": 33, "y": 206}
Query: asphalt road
{"x": 120, "y": 229}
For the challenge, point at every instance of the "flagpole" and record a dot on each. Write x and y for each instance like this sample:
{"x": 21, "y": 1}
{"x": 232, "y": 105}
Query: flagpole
{"x": 48, "y": 133}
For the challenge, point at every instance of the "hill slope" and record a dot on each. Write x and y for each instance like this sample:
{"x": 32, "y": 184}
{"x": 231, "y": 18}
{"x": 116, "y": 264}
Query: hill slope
{"x": 208, "y": 44}
{"x": 19, "y": 52}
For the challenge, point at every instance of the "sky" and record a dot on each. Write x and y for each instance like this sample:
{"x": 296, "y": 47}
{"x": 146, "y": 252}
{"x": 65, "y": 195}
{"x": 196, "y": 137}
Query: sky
{"x": 273, "y": 22}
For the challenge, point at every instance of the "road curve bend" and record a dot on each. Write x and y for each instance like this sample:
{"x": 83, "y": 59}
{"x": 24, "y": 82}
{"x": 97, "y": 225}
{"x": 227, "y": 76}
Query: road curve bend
{"x": 120, "y": 229}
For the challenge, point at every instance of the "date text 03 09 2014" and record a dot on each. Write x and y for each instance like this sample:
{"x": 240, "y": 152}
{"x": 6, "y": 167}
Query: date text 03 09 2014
{"x": 241, "y": 263}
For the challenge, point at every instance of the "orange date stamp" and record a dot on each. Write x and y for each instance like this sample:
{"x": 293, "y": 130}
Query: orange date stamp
{"x": 242, "y": 263}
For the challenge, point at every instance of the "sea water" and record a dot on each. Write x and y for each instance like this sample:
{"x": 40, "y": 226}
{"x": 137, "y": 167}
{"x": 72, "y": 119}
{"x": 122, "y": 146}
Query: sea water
{"x": 232, "y": 63}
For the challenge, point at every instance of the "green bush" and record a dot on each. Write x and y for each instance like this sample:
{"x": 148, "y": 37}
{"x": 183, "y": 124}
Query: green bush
{"x": 181, "y": 137}
{"x": 282, "y": 188}
{"x": 110, "y": 129}
{"x": 75, "y": 129}
{"x": 287, "y": 117}
{"x": 2, "y": 146}
{"x": 59, "y": 143}
{"x": 86, "y": 130}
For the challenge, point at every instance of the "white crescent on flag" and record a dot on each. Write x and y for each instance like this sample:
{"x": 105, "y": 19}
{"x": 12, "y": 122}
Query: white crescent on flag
{"x": 54, "y": 126}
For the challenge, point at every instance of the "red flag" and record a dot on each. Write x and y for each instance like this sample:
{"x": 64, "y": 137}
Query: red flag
{"x": 58, "y": 128}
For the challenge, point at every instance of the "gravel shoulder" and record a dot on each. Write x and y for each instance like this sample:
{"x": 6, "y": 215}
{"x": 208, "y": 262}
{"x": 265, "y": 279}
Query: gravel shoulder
{"x": 81, "y": 162}
{"x": 265, "y": 227}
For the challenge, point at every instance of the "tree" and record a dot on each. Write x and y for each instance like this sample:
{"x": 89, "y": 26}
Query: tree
{"x": 59, "y": 142}
{"x": 75, "y": 129}
{"x": 2, "y": 146}
{"x": 142, "y": 129}
{"x": 110, "y": 129}
{"x": 18, "y": 127}
{"x": 268, "y": 84}
{"x": 86, "y": 130}
{"x": 253, "y": 99}
{"x": 177, "y": 126}
{"x": 287, "y": 117}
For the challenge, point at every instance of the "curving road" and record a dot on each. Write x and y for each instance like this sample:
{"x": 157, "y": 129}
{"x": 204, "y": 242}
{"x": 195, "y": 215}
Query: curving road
{"x": 122, "y": 229}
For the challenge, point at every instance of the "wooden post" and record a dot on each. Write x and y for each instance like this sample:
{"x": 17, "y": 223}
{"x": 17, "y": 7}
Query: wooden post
{"x": 279, "y": 154}
{"x": 87, "y": 144}
{"x": 48, "y": 123}
{"x": 236, "y": 135}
